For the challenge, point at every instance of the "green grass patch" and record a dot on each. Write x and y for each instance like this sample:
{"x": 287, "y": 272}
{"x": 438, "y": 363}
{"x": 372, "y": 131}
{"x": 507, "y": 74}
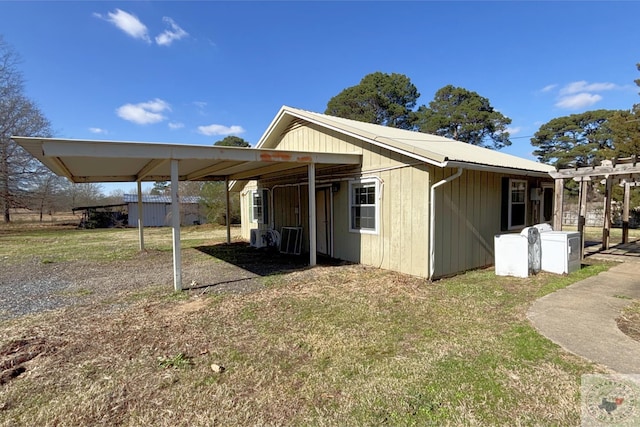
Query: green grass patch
{"x": 560, "y": 282}
{"x": 339, "y": 345}
{"x": 179, "y": 361}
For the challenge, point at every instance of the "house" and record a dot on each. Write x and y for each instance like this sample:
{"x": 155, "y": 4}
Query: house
{"x": 157, "y": 210}
{"x": 400, "y": 200}
{"x": 416, "y": 203}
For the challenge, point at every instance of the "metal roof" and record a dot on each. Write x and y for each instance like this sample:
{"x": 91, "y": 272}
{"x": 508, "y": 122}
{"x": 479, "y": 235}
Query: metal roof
{"x": 125, "y": 161}
{"x": 433, "y": 149}
{"x": 153, "y": 198}
{"x": 122, "y": 161}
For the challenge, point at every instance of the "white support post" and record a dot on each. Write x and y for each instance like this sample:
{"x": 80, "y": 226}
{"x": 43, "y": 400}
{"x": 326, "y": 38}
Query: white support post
{"x": 606, "y": 229}
{"x": 175, "y": 222}
{"x": 140, "y": 218}
{"x": 312, "y": 215}
{"x": 228, "y": 209}
{"x": 625, "y": 213}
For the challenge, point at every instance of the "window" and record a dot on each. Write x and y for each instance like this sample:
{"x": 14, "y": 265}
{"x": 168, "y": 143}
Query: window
{"x": 256, "y": 206}
{"x": 517, "y": 203}
{"x": 363, "y": 213}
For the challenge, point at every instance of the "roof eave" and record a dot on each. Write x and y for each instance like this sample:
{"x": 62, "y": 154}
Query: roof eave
{"x": 497, "y": 169}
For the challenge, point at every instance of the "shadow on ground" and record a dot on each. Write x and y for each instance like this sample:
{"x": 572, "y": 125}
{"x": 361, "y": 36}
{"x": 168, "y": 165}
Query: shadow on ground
{"x": 256, "y": 262}
{"x": 260, "y": 261}
{"x": 617, "y": 251}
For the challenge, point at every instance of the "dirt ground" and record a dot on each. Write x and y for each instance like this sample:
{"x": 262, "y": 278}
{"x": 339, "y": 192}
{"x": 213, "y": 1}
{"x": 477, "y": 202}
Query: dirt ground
{"x": 106, "y": 323}
{"x": 35, "y": 286}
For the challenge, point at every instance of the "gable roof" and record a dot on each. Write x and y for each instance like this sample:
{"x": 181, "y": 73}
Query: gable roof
{"x": 432, "y": 149}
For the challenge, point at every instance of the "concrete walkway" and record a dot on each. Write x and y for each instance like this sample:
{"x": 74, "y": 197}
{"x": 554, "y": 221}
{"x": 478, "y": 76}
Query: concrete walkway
{"x": 581, "y": 318}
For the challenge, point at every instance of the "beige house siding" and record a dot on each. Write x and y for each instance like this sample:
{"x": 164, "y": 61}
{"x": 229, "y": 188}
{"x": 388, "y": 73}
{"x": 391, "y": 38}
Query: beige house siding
{"x": 245, "y": 210}
{"x": 402, "y": 240}
{"x": 467, "y": 210}
{"x": 467, "y": 215}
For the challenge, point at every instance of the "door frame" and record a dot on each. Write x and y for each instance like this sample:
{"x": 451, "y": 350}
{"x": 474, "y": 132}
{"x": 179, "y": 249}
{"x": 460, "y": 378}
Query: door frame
{"x": 546, "y": 186}
{"x": 328, "y": 189}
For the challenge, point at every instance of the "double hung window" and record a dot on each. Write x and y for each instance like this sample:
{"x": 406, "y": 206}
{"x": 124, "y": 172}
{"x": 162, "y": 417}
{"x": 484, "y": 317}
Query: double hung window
{"x": 517, "y": 203}
{"x": 364, "y": 206}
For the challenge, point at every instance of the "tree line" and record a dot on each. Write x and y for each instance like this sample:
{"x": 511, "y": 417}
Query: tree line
{"x": 575, "y": 140}
{"x": 385, "y": 99}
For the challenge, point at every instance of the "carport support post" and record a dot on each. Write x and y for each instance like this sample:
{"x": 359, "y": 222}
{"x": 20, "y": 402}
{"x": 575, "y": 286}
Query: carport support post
{"x": 175, "y": 222}
{"x": 140, "y": 221}
{"x": 312, "y": 214}
{"x": 606, "y": 230}
{"x": 228, "y": 210}
{"x": 625, "y": 213}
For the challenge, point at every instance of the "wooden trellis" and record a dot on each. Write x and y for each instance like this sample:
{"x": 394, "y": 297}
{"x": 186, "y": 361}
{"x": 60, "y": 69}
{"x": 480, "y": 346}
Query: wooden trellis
{"x": 625, "y": 172}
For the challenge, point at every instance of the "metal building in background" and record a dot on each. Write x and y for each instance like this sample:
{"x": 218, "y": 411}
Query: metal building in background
{"x": 157, "y": 210}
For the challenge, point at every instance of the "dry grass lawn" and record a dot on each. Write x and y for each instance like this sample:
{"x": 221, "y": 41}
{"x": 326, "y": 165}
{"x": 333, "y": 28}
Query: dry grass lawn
{"x": 332, "y": 345}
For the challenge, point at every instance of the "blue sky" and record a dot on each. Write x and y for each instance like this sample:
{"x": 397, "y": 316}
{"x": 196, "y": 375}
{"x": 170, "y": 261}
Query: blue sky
{"x": 194, "y": 72}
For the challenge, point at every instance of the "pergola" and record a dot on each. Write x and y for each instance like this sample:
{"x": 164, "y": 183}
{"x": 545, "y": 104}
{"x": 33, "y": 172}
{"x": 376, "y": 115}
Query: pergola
{"x": 623, "y": 171}
{"x": 83, "y": 161}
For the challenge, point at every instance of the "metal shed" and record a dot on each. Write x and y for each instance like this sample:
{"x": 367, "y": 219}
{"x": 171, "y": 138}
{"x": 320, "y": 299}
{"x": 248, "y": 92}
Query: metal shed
{"x": 156, "y": 210}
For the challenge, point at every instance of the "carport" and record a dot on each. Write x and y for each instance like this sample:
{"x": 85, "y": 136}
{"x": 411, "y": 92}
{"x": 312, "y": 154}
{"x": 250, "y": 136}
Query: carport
{"x": 83, "y": 161}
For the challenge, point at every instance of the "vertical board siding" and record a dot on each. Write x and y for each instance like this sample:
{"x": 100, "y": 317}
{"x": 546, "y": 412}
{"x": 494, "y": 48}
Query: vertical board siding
{"x": 285, "y": 206}
{"x": 467, "y": 218}
{"x": 467, "y": 209}
{"x": 402, "y": 241}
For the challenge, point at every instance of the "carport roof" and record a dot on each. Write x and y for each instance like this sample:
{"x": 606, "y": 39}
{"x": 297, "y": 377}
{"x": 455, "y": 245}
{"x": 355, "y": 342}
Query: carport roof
{"x": 120, "y": 161}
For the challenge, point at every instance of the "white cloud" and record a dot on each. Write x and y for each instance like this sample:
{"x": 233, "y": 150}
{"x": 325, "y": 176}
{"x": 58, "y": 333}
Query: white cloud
{"x": 578, "y": 101}
{"x": 514, "y": 130}
{"x": 174, "y": 32}
{"x": 98, "y": 130}
{"x": 584, "y": 86}
{"x": 579, "y": 94}
{"x": 175, "y": 125}
{"x": 144, "y": 113}
{"x": 128, "y": 23}
{"x": 211, "y": 130}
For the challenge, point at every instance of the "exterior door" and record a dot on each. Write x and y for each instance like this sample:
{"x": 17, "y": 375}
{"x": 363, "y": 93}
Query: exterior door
{"x": 546, "y": 204}
{"x": 323, "y": 221}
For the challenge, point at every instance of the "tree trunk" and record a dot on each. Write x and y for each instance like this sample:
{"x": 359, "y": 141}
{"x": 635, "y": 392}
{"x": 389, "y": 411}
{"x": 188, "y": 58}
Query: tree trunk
{"x": 4, "y": 183}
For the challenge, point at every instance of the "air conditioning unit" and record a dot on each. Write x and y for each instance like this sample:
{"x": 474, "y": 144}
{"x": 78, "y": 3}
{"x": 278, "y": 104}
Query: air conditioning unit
{"x": 258, "y": 238}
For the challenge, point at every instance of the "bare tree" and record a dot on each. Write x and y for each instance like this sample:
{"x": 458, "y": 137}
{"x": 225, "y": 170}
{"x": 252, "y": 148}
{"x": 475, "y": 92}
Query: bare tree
{"x": 85, "y": 194}
{"x": 19, "y": 116}
{"x": 46, "y": 193}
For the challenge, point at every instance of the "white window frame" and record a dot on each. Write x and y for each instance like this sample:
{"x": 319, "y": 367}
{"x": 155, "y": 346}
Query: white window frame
{"x": 253, "y": 196}
{"x": 524, "y": 201}
{"x": 353, "y": 185}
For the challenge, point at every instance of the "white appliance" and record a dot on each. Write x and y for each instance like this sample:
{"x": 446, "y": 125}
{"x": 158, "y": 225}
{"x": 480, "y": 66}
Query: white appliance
{"x": 511, "y": 255}
{"x": 258, "y": 238}
{"x": 517, "y": 254}
{"x": 560, "y": 251}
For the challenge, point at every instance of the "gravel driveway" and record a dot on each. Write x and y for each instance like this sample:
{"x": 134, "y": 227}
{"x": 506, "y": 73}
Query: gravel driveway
{"x": 34, "y": 286}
